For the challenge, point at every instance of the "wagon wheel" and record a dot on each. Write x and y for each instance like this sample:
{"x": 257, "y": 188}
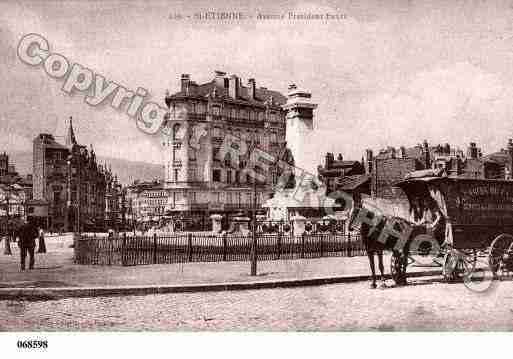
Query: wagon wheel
{"x": 498, "y": 251}
{"x": 398, "y": 264}
{"x": 459, "y": 264}
{"x": 508, "y": 259}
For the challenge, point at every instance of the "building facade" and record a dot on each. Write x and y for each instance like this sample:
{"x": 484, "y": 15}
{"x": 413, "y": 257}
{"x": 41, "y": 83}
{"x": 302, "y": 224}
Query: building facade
{"x": 198, "y": 181}
{"x": 15, "y": 193}
{"x": 68, "y": 178}
{"x": 4, "y": 164}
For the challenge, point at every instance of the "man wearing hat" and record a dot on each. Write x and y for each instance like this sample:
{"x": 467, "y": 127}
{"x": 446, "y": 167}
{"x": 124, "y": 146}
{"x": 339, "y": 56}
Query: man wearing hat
{"x": 27, "y": 234}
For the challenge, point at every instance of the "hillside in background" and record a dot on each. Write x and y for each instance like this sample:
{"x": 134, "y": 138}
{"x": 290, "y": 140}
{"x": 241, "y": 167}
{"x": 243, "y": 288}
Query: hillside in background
{"x": 127, "y": 171}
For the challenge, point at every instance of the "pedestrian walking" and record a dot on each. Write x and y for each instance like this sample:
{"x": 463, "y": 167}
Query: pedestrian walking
{"x": 42, "y": 246}
{"x": 27, "y": 234}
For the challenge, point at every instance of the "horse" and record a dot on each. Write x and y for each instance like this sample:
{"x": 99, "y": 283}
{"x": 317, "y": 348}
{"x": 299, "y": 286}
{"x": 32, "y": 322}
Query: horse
{"x": 369, "y": 235}
{"x": 373, "y": 248}
{"x": 374, "y": 245}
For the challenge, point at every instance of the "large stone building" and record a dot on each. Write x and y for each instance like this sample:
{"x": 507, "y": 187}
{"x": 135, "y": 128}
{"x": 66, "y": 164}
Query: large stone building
{"x": 68, "y": 178}
{"x": 198, "y": 181}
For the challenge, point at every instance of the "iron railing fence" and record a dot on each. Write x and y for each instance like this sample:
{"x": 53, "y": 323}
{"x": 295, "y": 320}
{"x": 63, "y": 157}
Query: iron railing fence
{"x": 192, "y": 247}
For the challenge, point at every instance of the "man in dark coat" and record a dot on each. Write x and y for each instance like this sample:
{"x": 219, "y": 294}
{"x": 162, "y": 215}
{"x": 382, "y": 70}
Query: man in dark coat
{"x": 27, "y": 234}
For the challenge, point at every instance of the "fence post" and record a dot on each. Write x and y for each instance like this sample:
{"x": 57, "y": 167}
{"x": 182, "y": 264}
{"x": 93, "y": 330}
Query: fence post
{"x": 189, "y": 247}
{"x": 280, "y": 234}
{"x": 154, "y": 248}
{"x": 110, "y": 240}
{"x": 123, "y": 250}
{"x": 322, "y": 245}
{"x": 76, "y": 251}
{"x": 225, "y": 245}
{"x": 303, "y": 245}
{"x": 349, "y": 254}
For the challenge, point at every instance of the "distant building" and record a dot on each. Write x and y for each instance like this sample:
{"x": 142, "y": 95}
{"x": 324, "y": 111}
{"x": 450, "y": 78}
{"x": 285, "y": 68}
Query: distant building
{"x": 69, "y": 180}
{"x": 500, "y": 164}
{"x": 15, "y": 192}
{"x": 8, "y": 172}
{"x": 391, "y": 165}
{"x": 13, "y": 201}
{"x": 146, "y": 202}
{"x": 4, "y": 164}
{"x": 334, "y": 170}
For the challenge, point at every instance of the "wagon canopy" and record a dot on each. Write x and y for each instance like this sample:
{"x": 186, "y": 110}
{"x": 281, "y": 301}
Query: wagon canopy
{"x": 419, "y": 186}
{"x": 466, "y": 203}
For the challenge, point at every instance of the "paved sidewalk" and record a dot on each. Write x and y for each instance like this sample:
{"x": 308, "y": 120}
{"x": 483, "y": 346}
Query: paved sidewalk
{"x": 56, "y": 269}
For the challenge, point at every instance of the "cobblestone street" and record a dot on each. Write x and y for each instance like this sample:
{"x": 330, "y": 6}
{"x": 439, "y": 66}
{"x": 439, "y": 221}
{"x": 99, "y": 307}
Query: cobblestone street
{"x": 423, "y": 305}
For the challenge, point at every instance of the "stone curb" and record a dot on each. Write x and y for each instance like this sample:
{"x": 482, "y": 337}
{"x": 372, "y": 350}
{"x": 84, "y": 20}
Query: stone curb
{"x": 80, "y": 292}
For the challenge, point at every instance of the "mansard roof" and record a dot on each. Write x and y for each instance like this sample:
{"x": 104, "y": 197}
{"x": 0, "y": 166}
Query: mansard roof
{"x": 262, "y": 95}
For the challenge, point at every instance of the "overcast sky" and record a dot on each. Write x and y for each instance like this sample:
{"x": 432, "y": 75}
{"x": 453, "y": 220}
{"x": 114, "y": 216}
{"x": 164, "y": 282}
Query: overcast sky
{"x": 391, "y": 73}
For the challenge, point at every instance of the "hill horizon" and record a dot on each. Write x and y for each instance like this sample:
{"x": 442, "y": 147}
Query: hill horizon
{"x": 126, "y": 170}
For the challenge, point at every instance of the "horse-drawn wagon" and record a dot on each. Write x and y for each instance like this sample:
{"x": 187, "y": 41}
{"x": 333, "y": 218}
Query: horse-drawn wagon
{"x": 476, "y": 222}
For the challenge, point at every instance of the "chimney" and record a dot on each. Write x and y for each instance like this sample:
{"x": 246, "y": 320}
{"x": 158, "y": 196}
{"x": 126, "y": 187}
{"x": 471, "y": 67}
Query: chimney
{"x": 402, "y": 151}
{"x": 233, "y": 87}
{"x": 368, "y": 161}
{"x": 339, "y": 157}
{"x": 472, "y": 151}
{"x": 509, "y": 165}
{"x": 427, "y": 159}
{"x": 252, "y": 89}
{"x": 329, "y": 160}
{"x": 455, "y": 166}
{"x": 219, "y": 78}
{"x": 392, "y": 152}
{"x": 185, "y": 80}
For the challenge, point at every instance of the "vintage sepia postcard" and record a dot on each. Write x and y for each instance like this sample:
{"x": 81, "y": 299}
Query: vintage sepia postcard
{"x": 255, "y": 166}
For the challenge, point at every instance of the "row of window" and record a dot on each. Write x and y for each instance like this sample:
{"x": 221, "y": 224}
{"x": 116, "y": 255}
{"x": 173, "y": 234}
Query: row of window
{"x": 194, "y": 175}
{"x": 155, "y": 194}
{"x": 193, "y": 197}
{"x": 246, "y": 135}
{"x": 246, "y": 114}
{"x": 228, "y": 111}
{"x": 156, "y": 201}
{"x": 231, "y": 176}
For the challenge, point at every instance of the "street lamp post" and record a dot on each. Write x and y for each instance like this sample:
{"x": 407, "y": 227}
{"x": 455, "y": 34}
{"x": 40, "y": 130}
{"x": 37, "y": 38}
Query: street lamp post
{"x": 7, "y": 249}
{"x": 253, "y": 229}
{"x": 68, "y": 195}
{"x": 79, "y": 189}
